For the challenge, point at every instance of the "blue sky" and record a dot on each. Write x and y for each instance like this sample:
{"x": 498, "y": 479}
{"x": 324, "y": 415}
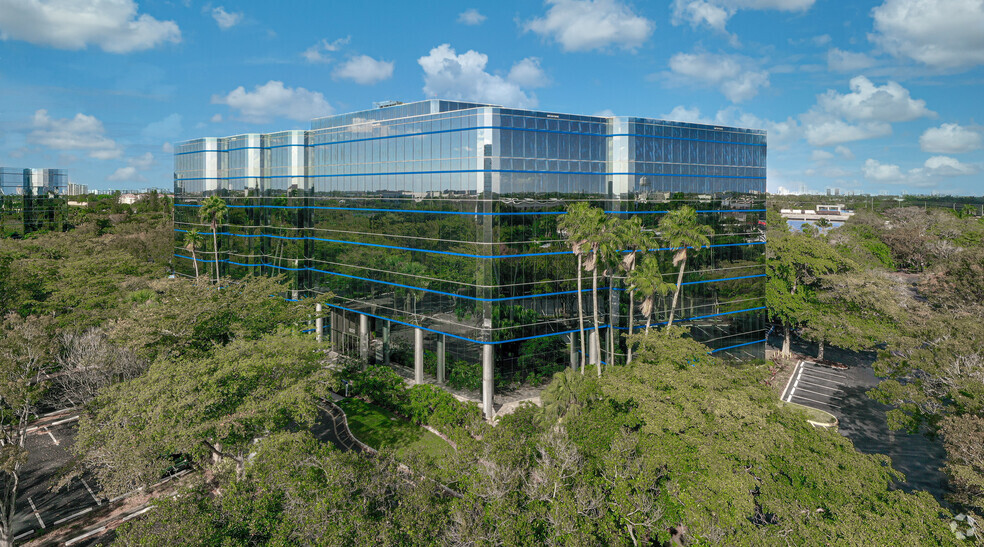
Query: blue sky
{"x": 878, "y": 96}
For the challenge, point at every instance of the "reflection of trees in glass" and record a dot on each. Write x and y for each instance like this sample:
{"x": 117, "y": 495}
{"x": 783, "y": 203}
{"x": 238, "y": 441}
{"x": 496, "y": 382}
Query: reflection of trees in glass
{"x": 578, "y": 226}
{"x": 214, "y": 211}
{"x": 682, "y": 231}
{"x": 193, "y": 239}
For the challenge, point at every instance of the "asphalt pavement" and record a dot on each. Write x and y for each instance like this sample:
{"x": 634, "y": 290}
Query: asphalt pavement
{"x": 842, "y": 391}
{"x": 40, "y": 505}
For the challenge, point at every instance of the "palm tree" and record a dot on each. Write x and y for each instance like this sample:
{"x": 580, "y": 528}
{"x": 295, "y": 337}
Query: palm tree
{"x": 611, "y": 242}
{"x": 630, "y": 236}
{"x": 578, "y": 225}
{"x": 647, "y": 281}
{"x": 682, "y": 231}
{"x": 604, "y": 246}
{"x": 214, "y": 211}
{"x": 823, "y": 224}
{"x": 193, "y": 239}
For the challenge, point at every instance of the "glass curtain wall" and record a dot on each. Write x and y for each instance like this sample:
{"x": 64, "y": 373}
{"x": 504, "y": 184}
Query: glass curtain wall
{"x": 443, "y": 215}
{"x": 31, "y": 200}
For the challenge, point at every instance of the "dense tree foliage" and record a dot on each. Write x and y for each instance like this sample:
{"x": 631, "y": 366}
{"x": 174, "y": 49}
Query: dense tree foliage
{"x": 210, "y": 406}
{"x": 679, "y": 446}
{"x": 913, "y": 291}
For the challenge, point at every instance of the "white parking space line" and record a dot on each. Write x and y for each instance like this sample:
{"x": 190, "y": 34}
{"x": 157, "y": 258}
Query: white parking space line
{"x": 834, "y": 387}
{"x": 826, "y": 404}
{"x": 828, "y": 395}
{"x": 73, "y": 515}
{"x": 24, "y": 535}
{"x": 90, "y": 491}
{"x": 797, "y": 374}
{"x": 825, "y": 372}
{"x": 785, "y": 391}
{"x": 35, "y": 509}
{"x": 52, "y": 435}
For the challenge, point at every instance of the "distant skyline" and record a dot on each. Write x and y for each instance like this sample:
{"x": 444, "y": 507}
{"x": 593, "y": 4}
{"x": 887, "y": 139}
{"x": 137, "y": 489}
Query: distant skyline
{"x": 869, "y": 96}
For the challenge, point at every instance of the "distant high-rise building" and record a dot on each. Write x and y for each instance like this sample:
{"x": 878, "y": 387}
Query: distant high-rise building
{"x": 77, "y": 189}
{"x": 31, "y": 199}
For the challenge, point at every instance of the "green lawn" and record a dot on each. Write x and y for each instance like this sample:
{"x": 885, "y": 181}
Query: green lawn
{"x": 379, "y": 428}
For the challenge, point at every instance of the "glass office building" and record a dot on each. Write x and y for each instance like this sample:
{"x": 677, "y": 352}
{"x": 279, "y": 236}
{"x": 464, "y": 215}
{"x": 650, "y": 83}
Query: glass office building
{"x": 435, "y": 223}
{"x": 30, "y": 200}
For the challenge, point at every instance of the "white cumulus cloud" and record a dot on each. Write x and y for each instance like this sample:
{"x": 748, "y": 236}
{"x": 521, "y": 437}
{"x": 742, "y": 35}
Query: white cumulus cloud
{"x": 948, "y": 167}
{"x": 821, "y": 155}
{"x": 126, "y": 174}
{"x": 866, "y": 101}
{"x": 471, "y": 17}
{"x": 682, "y": 113}
{"x": 733, "y": 75}
{"x": 363, "y": 69}
{"x": 527, "y": 73}
{"x": 83, "y": 133}
{"x": 716, "y": 13}
{"x": 463, "y": 77}
{"x": 945, "y": 34}
{"x": 142, "y": 162}
{"x": 780, "y": 133}
{"x": 832, "y": 132}
{"x": 929, "y": 174}
{"x": 844, "y": 152}
{"x": 113, "y": 25}
{"x": 272, "y": 100}
{"x": 949, "y": 138}
{"x": 839, "y": 60}
{"x": 225, "y": 19}
{"x": 131, "y": 172}
{"x": 318, "y": 53}
{"x": 584, "y": 25}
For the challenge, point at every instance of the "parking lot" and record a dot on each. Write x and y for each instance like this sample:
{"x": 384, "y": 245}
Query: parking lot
{"x": 818, "y": 386}
{"x": 843, "y": 392}
{"x": 40, "y": 506}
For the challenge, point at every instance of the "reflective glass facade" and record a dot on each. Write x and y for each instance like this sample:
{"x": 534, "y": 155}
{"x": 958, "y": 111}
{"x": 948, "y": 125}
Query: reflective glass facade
{"x": 30, "y": 200}
{"x": 443, "y": 215}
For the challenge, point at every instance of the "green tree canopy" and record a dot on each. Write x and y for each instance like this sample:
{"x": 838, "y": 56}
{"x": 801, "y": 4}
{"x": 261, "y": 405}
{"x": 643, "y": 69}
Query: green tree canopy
{"x": 207, "y": 407}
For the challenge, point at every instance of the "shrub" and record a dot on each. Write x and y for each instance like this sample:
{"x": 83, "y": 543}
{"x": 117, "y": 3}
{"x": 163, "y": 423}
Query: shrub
{"x": 464, "y": 375}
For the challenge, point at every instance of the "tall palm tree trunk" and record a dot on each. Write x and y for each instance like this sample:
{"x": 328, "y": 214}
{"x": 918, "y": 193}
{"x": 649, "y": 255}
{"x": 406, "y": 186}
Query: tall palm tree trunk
{"x": 215, "y": 248}
{"x": 676, "y": 293}
{"x": 628, "y": 356}
{"x": 194, "y": 259}
{"x": 611, "y": 319}
{"x": 597, "y": 323}
{"x": 580, "y": 309}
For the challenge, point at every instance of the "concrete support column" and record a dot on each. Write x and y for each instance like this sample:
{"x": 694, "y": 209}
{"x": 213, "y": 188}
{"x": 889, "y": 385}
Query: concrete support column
{"x": 319, "y": 322}
{"x": 488, "y": 375}
{"x": 386, "y": 342}
{"x": 418, "y": 356}
{"x": 442, "y": 344}
{"x": 364, "y": 338}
